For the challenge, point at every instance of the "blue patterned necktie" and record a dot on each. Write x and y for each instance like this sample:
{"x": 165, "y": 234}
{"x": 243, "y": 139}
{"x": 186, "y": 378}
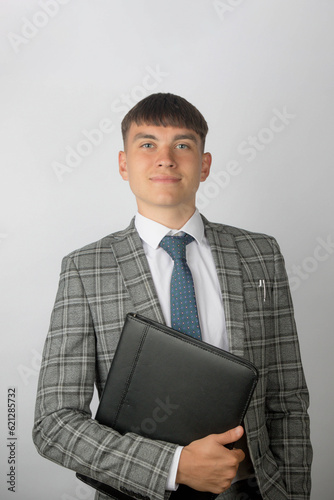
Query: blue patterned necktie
{"x": 184, "y": 314}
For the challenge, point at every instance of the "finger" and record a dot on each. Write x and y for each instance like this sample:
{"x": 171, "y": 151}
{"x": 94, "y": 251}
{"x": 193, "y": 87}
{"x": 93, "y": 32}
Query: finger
{"x": 229, "y": 436}
{"x": 239, "y": 454}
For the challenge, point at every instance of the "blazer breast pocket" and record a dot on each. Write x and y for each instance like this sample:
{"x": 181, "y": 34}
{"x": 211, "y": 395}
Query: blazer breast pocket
{"x": 258, "y": 296}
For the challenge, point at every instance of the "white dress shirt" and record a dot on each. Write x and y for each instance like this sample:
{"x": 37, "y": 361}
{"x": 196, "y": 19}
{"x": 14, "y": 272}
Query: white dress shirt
{"x": 203, "y": 269}
{"x": 208, "y": 295}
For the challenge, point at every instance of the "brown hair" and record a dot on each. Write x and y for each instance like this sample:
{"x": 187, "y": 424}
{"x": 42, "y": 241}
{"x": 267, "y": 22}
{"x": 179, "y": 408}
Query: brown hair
{"x": 166, "y": 110}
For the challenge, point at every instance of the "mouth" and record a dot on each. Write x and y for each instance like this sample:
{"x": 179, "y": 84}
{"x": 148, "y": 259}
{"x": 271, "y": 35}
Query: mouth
{"x": 167, "y": 179}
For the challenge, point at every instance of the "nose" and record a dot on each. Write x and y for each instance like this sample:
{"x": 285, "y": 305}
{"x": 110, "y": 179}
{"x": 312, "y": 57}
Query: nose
{"x": 165, "y": 158}
{"x": 165, "y": 163}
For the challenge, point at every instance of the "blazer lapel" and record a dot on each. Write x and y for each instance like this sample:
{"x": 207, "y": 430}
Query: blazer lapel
{"x": 228, "y": 264}
{"x": 131, "y": 259}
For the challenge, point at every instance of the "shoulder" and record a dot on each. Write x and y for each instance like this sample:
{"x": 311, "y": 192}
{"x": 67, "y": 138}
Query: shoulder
{"x": 245, "y": 240}
{"x": 100, "y": 250}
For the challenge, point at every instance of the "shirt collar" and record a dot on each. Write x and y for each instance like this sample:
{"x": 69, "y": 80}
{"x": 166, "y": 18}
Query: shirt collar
{"x": 152, "y": 232}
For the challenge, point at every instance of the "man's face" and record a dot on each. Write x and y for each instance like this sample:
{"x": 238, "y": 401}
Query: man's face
{"x": 164, "y": 166}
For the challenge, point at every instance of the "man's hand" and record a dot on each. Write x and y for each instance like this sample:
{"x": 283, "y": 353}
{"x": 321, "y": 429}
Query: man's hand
{"x": 207, "y": 465}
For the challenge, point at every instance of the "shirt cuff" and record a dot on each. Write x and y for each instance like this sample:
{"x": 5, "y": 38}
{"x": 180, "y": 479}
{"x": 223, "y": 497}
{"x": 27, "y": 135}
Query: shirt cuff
{"x": 171, "y": 485}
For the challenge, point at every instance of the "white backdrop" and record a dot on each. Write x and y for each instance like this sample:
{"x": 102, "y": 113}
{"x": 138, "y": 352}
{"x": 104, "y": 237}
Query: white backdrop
{"x": 261, "y": 73}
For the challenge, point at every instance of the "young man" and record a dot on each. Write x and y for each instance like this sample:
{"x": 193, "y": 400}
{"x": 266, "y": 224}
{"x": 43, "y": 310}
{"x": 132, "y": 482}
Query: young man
{"x": 243, "y": 305}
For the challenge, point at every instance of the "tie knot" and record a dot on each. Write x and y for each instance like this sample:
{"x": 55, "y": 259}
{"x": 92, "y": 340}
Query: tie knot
{"x": 175, "y": 246}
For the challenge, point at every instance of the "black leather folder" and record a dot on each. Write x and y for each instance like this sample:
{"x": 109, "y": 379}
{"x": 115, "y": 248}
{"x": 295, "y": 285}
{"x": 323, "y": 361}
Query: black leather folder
{"x": 165, "y": 385}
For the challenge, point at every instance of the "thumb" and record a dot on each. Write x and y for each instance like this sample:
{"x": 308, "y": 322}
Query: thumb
{"x": 229, "y": 436}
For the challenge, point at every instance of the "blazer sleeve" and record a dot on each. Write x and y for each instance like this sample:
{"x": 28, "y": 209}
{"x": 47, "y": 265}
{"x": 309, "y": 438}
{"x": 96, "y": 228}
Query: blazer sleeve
{"x": 64, "y": 430}
{"x": 287, "y": 396}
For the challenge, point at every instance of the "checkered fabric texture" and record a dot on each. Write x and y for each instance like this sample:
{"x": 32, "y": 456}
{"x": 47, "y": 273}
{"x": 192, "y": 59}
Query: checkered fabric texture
{"x": 99, "y": 285}
{"x": 184, "y": 315}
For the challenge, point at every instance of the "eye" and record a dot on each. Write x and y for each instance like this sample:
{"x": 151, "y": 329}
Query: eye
{"x": 182, "y": 146}
{"x": 147, "y": 145}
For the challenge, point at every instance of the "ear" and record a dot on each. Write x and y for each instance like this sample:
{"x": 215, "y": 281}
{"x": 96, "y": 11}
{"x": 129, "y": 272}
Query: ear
{"x": 206, "y": 165}
{"x": 123, "y": 165}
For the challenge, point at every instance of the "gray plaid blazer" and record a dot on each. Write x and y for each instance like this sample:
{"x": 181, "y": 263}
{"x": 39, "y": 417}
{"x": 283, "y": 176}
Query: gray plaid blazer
{"x": 99, "y": 285}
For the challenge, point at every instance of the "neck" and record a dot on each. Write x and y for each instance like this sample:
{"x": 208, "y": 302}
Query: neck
{"x": 174, "y": 219}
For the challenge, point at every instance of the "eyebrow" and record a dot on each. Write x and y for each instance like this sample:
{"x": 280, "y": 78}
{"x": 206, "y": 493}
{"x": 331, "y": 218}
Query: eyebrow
{"x": 191, "y": 137}
{"x": 144, "y": 136}
{"x": 177, "y": 137}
